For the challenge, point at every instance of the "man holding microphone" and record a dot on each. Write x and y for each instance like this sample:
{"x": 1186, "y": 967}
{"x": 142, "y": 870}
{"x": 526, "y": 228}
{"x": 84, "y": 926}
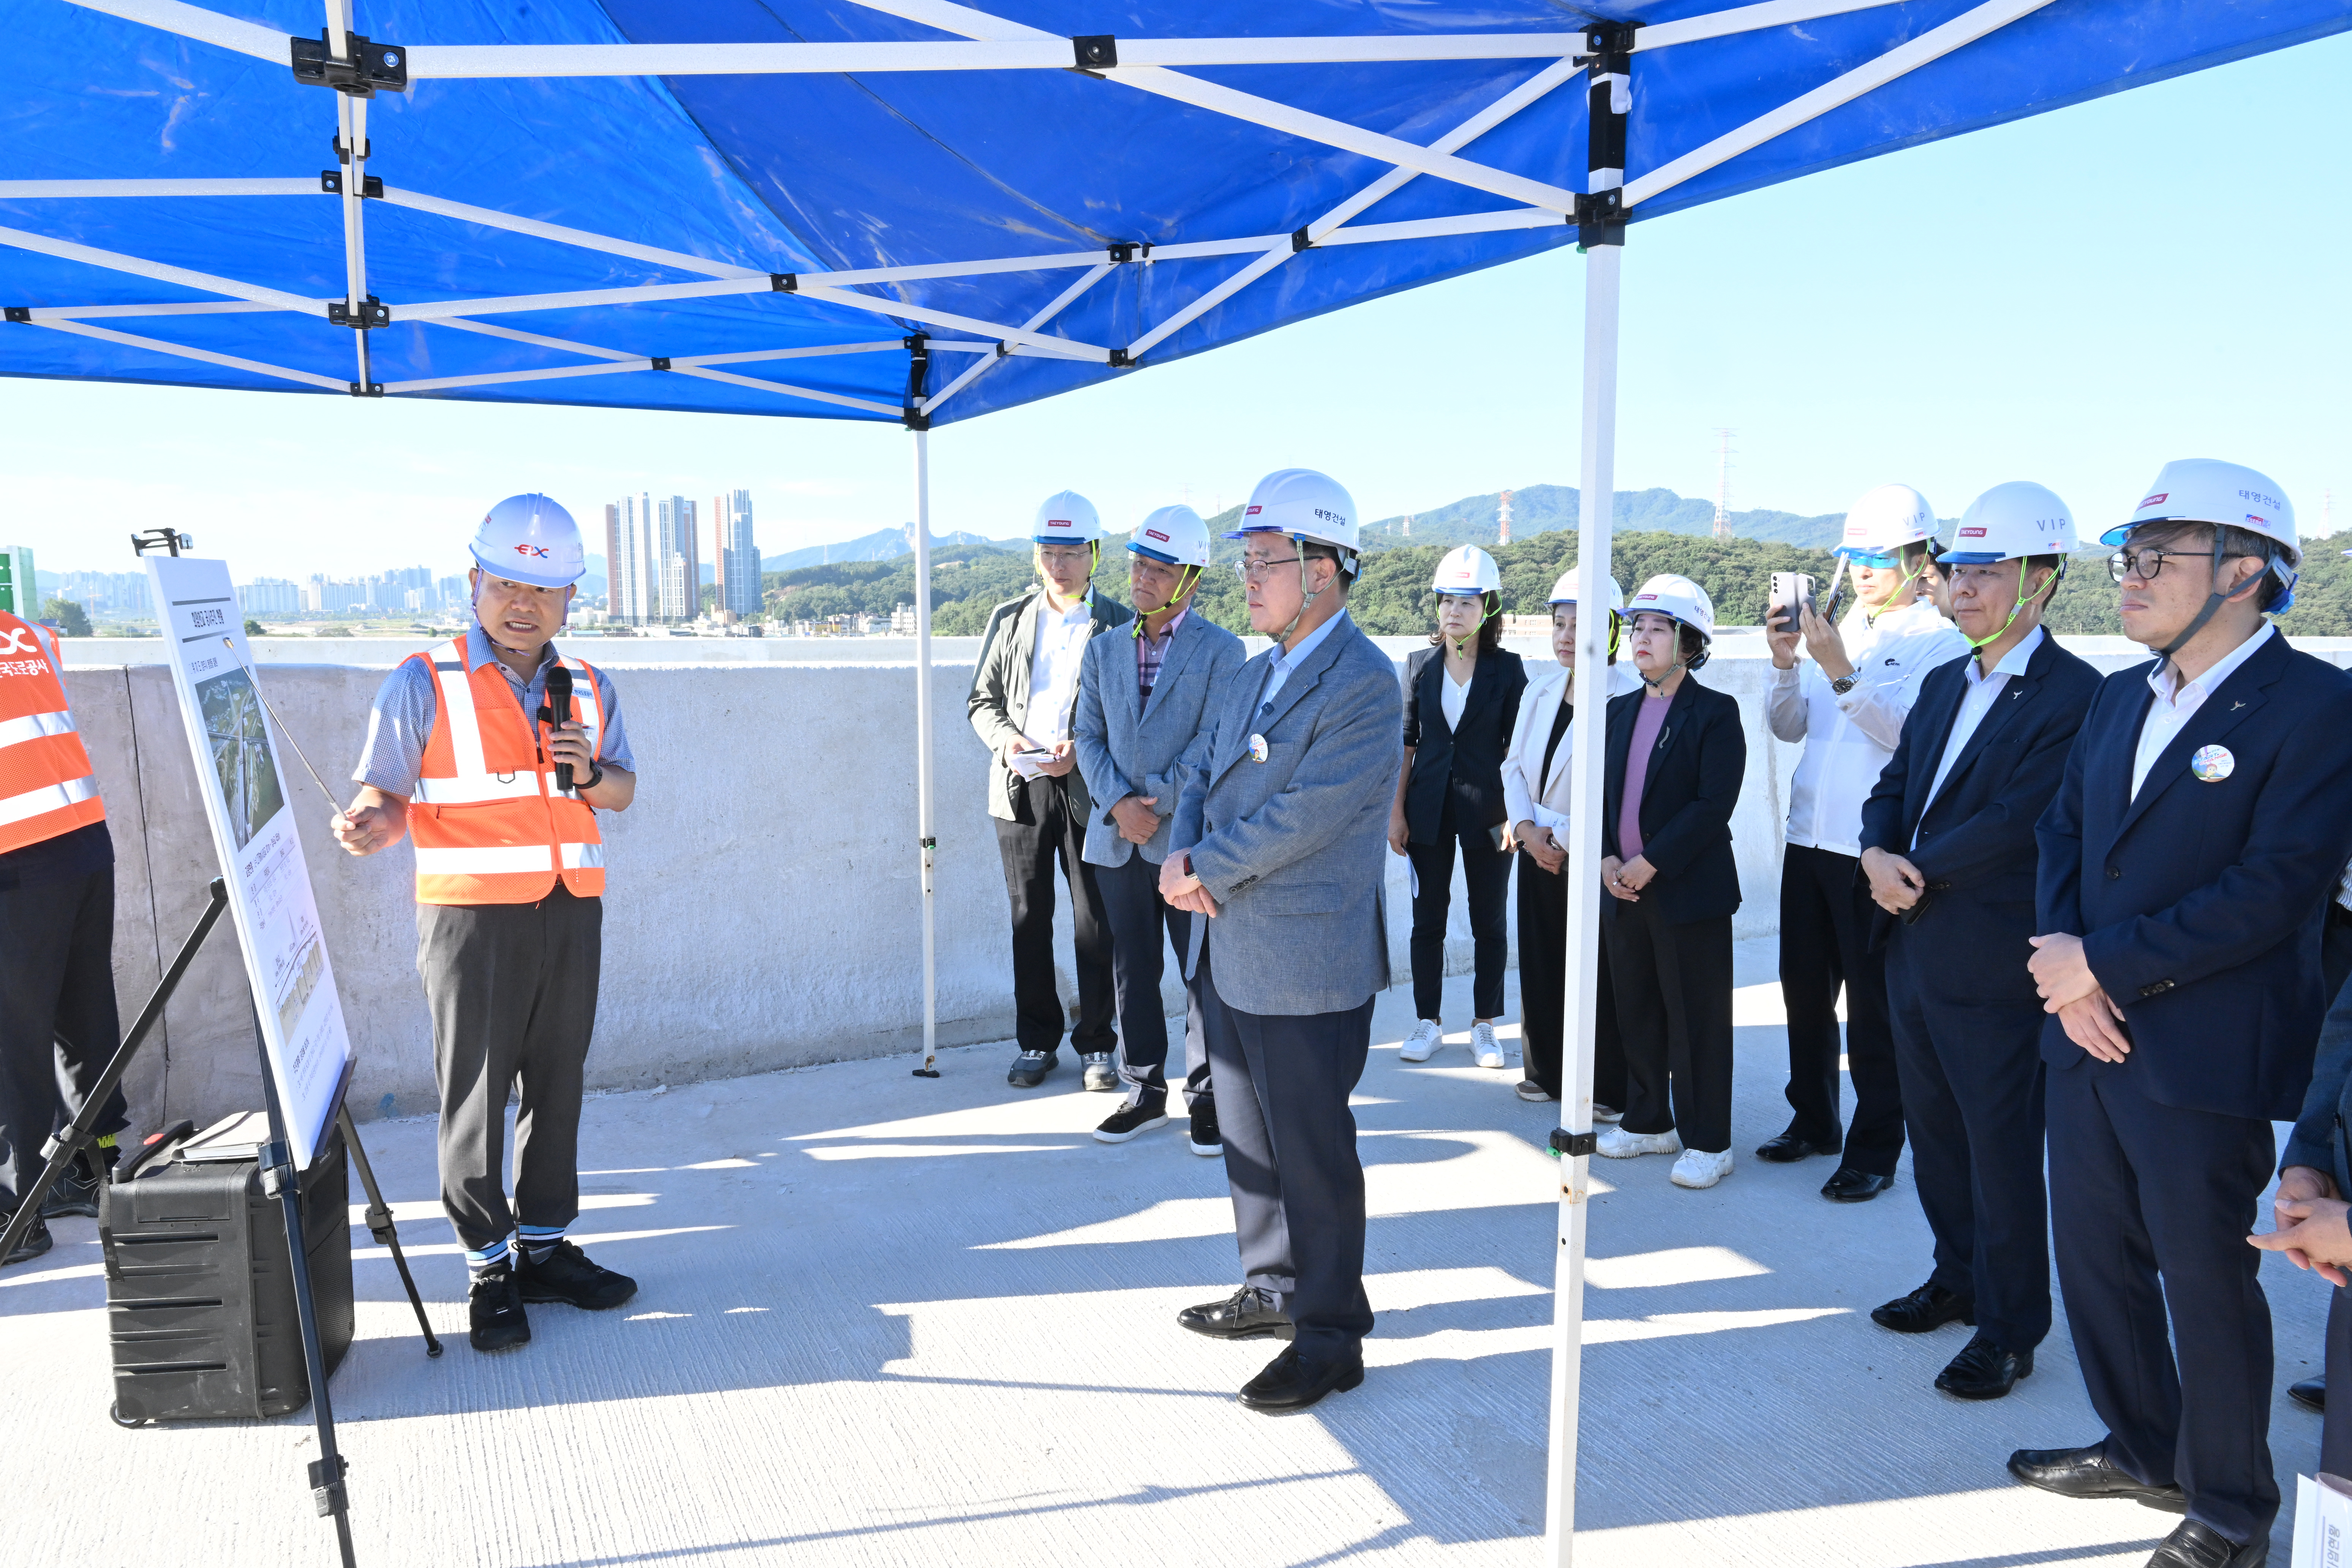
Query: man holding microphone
{"x": 470, "y": 754}
{"x": 1281, "y": 839}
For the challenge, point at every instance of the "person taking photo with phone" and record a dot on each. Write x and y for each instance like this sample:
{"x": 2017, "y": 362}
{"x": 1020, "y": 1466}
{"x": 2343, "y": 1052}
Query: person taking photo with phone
{"x": 1461, "y": 703}
{"x": 1846, "y": 701}
{"x": 1948, "y": 846}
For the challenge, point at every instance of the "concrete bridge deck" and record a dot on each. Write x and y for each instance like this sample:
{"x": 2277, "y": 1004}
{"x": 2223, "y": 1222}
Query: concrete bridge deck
{"x": 887, "y": 1321}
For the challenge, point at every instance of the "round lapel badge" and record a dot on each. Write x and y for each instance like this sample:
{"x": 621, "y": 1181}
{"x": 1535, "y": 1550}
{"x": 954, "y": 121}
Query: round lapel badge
{"x": 2213, "y": 763}
{"x": 1257, "y": 748}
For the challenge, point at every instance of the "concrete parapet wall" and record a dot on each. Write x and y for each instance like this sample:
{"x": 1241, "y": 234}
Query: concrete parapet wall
{"x": 764, "y": 908}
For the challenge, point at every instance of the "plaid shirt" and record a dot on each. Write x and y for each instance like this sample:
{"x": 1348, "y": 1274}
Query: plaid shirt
{"x": 1149, "y": 656}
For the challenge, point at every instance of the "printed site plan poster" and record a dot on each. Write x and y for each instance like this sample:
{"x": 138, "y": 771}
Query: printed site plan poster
{"x": 260, "y": 854}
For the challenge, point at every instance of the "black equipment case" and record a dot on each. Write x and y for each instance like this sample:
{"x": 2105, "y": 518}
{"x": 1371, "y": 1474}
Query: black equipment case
{"x": 199, "y": 1289}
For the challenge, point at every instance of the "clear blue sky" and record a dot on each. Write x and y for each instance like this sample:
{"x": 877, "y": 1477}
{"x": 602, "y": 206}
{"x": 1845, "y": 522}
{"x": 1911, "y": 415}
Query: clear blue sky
{"x": 2073, "y": 299}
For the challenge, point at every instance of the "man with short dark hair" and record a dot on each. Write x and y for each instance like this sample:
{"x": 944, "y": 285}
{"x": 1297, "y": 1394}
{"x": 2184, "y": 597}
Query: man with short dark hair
{"x": 2185, "y": 864}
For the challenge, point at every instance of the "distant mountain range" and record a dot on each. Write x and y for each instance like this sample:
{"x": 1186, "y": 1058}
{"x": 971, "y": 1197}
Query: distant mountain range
{"x": 885, "y": 545}
{"x": 1539, "y": 508}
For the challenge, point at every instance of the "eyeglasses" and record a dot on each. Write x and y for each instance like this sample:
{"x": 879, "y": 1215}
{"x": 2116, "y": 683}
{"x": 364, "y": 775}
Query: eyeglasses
{"x": 1255, "y": 571}
{"x": 1064, "y": 555}
{"x": 1960, "y": 575}
{"x": 2146, "y": 564}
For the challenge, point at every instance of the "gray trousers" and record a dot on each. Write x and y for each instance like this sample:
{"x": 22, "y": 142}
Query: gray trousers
{"x": 1136, "y": 913}
{"x": 513, "y": 991}
{"x": 1283, "y": 1082}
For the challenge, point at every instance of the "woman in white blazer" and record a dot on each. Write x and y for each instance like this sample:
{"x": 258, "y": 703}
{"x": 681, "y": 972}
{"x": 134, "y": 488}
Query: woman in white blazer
{"x": 1536, "y": 795}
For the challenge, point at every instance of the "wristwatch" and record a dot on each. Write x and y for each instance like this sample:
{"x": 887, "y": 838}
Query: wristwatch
{"x": 1844, "y": 684}
{"x": 595, "y": 776}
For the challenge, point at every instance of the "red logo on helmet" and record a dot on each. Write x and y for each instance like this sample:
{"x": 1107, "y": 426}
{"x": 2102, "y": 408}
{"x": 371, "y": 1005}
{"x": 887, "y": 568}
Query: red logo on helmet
{"x": 1251, "y": 512}
{"x": 533, "y": 550}
{"x": 2253, "y": 521}
{"x": 2159, "y": 499}
{"x": 1059, "y": 523}
{"x": 1155, "y": 533}
{"x": 1972, "y": 533}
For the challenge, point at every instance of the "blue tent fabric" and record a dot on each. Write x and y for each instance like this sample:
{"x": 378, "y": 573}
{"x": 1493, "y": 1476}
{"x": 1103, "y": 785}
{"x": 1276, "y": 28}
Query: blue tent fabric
{"x": 806, "y": 174}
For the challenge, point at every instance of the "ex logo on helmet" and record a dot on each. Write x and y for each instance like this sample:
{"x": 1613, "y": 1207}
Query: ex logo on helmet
{"x": 539, "y": 551}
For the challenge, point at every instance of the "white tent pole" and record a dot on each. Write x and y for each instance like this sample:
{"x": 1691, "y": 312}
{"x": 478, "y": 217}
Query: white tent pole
{"x": 923, "y": 769}
{"x": 1609, "y": 104}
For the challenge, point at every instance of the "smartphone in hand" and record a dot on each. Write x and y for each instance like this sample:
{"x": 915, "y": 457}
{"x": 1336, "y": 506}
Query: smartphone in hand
{"x": 1790, "y": 591}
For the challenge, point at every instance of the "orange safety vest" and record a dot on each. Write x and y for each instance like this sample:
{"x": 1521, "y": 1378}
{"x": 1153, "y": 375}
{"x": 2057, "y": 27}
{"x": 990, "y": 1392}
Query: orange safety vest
{"x": 46, "y": 785}
{"x": 489, "y": 824}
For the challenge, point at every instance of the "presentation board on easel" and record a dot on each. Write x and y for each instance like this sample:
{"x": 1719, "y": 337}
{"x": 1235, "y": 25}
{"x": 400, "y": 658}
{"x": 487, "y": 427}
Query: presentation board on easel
{"x": 244, "y": 798}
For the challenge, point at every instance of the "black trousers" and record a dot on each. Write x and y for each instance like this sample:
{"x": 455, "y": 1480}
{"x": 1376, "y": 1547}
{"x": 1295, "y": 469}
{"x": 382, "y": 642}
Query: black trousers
{"x": 57, "y": 1023}
{"x": 1674, "y": 1013}
{"x": 1487, "y": 876}
{"x": 1825, "y": 912}
{"x": 1543, "y": 989}
{"x": 1029, "y": 849}
{"x": 1283, "y": 1083}
{"x": 513, "y": 992}
{"x": 2150, "y": 1208}
{"x": 1138, "y": 915}
{"x": 1972, "y": 1072}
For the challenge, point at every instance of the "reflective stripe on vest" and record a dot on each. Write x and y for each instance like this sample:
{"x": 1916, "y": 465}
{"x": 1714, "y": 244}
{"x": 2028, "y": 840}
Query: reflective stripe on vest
{"x": 487, "y": 820}
{"x": 47, "y": 787}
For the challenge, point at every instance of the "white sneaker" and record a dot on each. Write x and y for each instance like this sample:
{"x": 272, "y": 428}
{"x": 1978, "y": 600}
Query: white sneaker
{"x": 1697, "y": 1168}
{"x": 1617, "y": 1143}
{"x": 1424, "y": 1038}
{"x": 1485, "y": 1046}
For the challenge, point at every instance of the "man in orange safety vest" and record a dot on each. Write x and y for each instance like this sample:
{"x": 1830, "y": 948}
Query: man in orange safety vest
{"x": 57, "y": 1021}
{"x": 475, "y": 754}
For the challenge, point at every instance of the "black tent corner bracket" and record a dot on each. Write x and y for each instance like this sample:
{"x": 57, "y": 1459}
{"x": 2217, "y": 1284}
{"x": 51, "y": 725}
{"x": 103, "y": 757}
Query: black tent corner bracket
{"x": 372, "y": 312}
{"x": 659, "y": 362}
{"x": 1125, "y": 250}
{"x": 370, "y": 389}
{"x": 332, "y": 182}
{"x": 20, "y": 313}
{"x": 1600, "y": 219}
{"x": 784, "y": 282}
{"x": 1572, "y": 1144}
{"x": 1094, "y": 51}
{"x": 367, "y": 67}
{"x": 1609, "y": 42}
{"x": 1121, "y": 360}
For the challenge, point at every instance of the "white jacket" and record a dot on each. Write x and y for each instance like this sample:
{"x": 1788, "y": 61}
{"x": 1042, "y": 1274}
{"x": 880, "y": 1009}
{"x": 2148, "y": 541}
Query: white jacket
{"x": 1526, "y": 796}
{"x": 1849, "y": 739}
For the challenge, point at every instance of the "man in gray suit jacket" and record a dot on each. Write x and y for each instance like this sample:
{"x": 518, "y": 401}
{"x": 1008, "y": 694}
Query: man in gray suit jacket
{"x": 1281, "y": 836}
{"x": 1024, "y": 692}
{"x": 1141, "y": 701}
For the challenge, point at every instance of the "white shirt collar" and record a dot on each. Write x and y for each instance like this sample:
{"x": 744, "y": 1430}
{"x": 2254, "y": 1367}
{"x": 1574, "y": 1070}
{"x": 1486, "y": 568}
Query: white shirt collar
{"x": 2013, "y": 662}
{"x": 2162, "y": 679}
{"x": 1284, "y": 659}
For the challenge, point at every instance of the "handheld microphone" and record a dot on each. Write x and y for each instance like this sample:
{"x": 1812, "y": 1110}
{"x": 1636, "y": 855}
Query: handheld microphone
{"x": 558, "y": 712}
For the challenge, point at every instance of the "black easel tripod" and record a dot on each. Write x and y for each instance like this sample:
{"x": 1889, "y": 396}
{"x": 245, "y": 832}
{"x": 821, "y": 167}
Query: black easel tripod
{"x": 278, "y": 1180}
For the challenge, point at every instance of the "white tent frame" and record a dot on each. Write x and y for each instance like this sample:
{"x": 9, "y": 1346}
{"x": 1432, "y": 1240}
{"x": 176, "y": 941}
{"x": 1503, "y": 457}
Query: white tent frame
{"x": 1146, "y": 65}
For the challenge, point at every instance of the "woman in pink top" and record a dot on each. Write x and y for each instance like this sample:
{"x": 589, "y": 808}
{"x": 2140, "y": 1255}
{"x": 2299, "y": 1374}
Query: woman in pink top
{"x": 1677, "y": 756}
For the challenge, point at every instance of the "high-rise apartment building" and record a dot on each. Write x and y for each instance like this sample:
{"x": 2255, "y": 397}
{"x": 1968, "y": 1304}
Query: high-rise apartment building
{"x": 633, "y": 581}
{"x": 270, "y": 596}
{"x": 680, "y": 560}
{"x": 736, "y": 556}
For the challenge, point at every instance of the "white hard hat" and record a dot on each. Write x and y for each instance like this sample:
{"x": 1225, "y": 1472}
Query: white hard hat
{"x": 1886, "y": 520}
{"x": 2010, "y": 520}
{"x": 1686, "y": 601}
{"x": 1174, "y": 534}
{"x": 1303, "y": 504}
{"x": 2200, "y": 490}
{"x": 1564, "y": 591}
{"x": 1467, "y": 569}
{"x": 530, "y": 539}
{"x": 1067, "y": 518}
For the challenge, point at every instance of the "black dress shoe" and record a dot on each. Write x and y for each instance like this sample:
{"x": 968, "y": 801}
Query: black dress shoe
{"x": 1247, "y": 1315}
{"x": 1852, "y": 1186}
{"x": 2085, "y": 1473}
{"x": 2311, "y": 1392}
{"x": 1984, "y": 1370}
{"x": 1928, "y": 1307}
{"x": 1293, "y": 1381}
{"x": 1788, "y": 1149}
{"x": 2195, "y": 1544}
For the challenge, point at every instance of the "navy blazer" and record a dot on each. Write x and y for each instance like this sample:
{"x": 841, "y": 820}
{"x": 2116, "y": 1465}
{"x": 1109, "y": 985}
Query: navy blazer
{"x": 2199, "y": 904}
{"x": 1687, "y": 796}
{"x": 1468, "y": 761}
{"x": 1975, "y": 841}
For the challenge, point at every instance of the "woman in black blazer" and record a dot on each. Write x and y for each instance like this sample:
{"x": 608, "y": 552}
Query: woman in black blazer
{"x": 1677, "y": 756}
{"x": 1460, "y": 701}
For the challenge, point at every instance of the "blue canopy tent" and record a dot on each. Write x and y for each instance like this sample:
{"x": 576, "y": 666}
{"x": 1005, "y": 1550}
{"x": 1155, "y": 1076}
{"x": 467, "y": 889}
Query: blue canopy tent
{"x": 915, "y": 211}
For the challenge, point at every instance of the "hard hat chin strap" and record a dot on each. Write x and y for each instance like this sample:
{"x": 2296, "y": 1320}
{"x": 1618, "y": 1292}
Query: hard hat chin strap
{"x": 1306, "y": 595}
{"x": 2050, "y": 588}
{"x": 1462, "y": 641}
{"x": 1870, "y": 617}
{"x": 1184, "y": 587}
{"x": 2213, "y": 602}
